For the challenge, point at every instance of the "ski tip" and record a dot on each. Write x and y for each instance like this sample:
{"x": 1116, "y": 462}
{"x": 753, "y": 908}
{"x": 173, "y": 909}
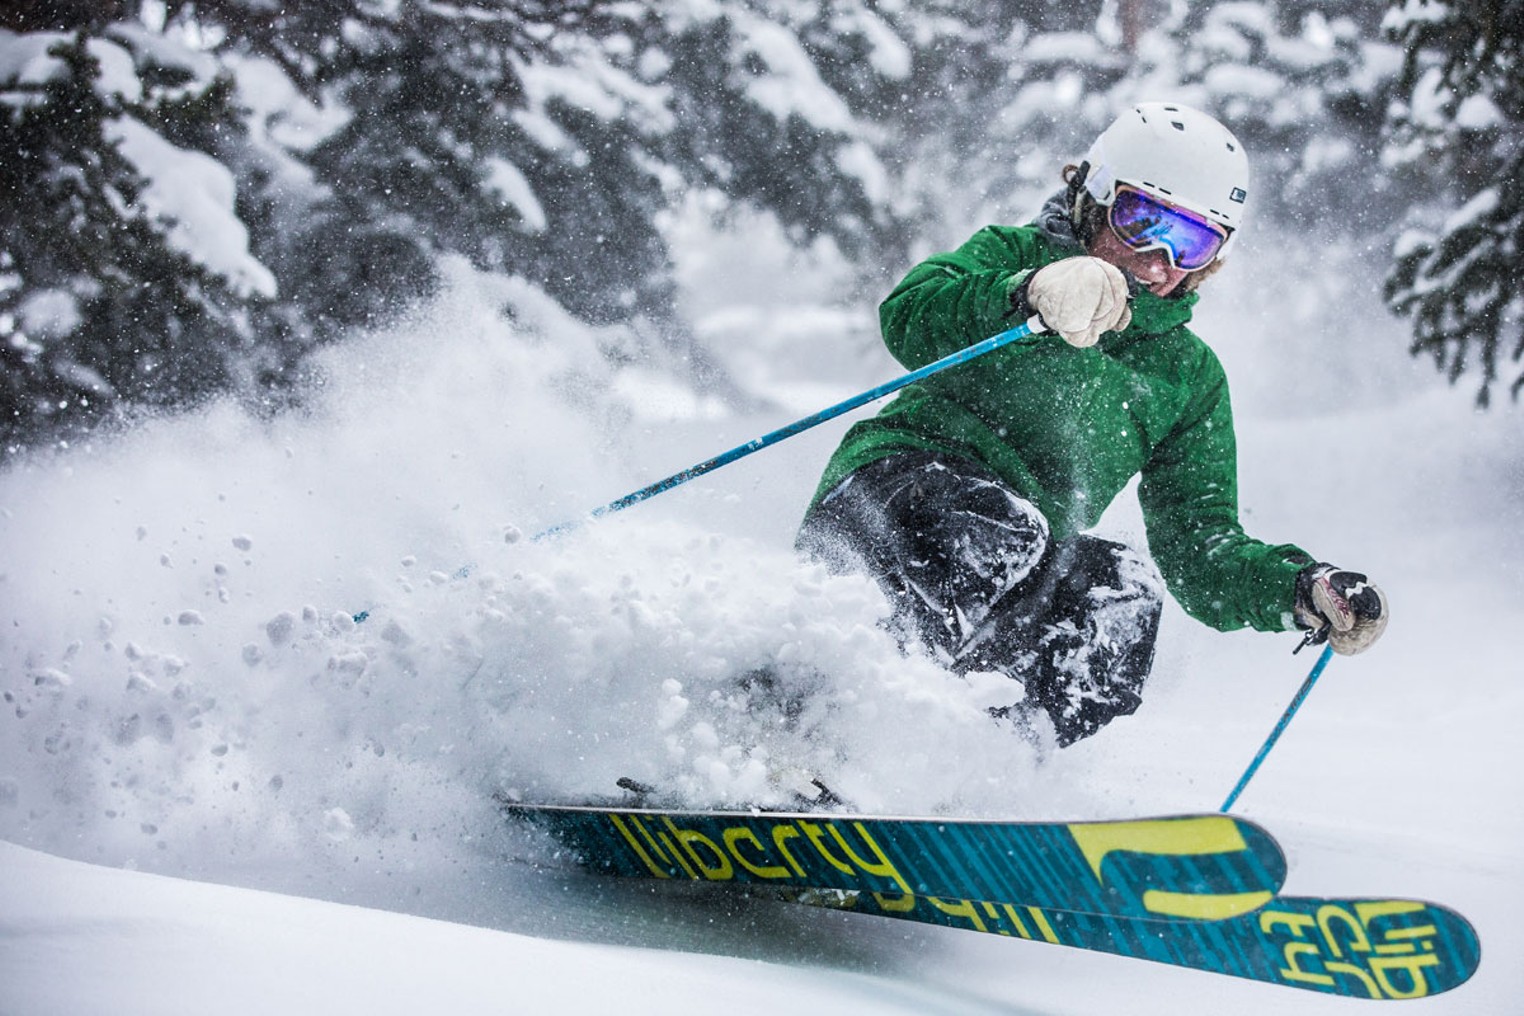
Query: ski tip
{"x": 1372, "y": 948}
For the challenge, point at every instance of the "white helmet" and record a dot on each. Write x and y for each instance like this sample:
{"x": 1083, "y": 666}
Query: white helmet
{"x": 1175, "y": 153}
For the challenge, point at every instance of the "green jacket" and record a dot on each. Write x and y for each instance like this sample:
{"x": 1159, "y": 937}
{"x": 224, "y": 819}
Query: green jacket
{"x": 1068, "y": 428}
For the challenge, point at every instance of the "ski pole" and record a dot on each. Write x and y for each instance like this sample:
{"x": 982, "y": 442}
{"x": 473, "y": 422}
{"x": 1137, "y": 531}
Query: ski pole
{"x": 1280, "y": 728}
{"x": 1032, "y": 326}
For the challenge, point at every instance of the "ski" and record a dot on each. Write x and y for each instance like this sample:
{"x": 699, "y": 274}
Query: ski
{"x": 1363, "y": 948}
{"x": 1183, "y": 867}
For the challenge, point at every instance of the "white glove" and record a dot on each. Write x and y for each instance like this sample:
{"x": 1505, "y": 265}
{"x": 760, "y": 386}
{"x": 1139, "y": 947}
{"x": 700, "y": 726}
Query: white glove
{"x": 1340, "y": 606}
{"x": 1079, "y": 298}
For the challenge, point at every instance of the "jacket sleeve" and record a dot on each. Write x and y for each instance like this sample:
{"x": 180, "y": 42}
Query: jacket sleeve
{"x": 1189, "y": 495}
{"x": 951, "y": 301}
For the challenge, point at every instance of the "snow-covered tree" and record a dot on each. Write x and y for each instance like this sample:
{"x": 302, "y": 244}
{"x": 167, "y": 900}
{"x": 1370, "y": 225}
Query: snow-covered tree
{"x": 1460, "y": 268}
{"x": 341, "y": 148}
{"x": 124, "y": 271}
{"x": 1303, "y": 85}
{"x": 1000, "y": 99}
{"x": 547, "y": 140}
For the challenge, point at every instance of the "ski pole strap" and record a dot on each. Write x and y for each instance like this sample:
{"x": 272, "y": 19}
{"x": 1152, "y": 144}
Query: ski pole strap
{"x": 1032, "y": 326}
{"x": 1280, "y": 728}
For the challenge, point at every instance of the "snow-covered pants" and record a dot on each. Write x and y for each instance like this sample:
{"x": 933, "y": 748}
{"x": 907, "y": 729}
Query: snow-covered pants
{"x": 974, "y": 575}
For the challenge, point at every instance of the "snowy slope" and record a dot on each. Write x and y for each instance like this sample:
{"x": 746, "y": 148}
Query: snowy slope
{"x": 85, "y": 939}
{"x": 186, "y": 695}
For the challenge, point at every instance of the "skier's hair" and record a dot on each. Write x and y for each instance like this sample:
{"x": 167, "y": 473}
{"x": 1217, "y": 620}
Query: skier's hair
{"x": 1088, "y": 217}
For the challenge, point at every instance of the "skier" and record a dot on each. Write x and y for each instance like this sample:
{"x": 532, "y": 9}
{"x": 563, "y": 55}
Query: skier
{"x": 969, "y": 495}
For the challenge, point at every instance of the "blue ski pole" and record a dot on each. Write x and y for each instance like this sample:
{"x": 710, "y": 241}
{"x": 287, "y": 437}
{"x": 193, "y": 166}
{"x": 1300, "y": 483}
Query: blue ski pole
{"x": 1280, "y": 728}
{"x": 1032, "y": 326}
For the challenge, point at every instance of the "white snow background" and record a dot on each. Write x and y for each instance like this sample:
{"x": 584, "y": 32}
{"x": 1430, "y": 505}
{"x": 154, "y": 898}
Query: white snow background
{"x": 220, "y": 794}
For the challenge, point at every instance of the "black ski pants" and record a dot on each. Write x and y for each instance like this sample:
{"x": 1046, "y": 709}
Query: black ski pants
{"x": 973, "y": 575}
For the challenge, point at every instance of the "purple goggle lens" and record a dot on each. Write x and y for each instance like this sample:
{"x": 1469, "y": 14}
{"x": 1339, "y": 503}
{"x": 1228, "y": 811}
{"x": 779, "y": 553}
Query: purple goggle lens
{"x": 1145, "y": 223}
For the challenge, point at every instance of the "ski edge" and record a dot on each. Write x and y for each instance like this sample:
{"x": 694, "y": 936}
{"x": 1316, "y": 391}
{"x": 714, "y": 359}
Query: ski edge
{"x": 531, "y": 808}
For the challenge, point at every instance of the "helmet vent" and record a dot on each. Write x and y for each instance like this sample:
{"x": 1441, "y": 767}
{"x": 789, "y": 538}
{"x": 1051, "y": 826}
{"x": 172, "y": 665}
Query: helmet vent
{"x": 1177, "y": 125}
{"x": 1230, "y": 146}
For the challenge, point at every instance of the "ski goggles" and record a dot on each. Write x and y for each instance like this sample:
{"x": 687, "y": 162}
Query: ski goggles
{"x": 1145, "y": 223}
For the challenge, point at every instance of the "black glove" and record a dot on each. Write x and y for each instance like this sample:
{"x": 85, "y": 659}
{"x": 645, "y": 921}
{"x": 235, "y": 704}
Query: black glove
{"x": 1339, "y": 607}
